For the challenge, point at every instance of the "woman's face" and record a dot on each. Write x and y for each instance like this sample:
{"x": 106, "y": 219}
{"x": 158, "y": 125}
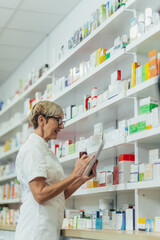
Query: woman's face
{"x": 52, "y": 128}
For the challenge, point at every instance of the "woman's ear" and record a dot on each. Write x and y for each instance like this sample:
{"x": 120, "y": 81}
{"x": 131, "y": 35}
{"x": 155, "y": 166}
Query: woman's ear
{"x": 41, "y": 120}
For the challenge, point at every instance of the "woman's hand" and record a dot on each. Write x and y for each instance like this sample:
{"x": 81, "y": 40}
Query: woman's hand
{"x": 93, "y": 172}
{"x": 81, "y": 167}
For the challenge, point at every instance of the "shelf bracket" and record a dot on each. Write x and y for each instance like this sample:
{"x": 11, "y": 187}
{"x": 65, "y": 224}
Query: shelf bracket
{"x": 132, "y": 54}
{"x": 132, "y": 11}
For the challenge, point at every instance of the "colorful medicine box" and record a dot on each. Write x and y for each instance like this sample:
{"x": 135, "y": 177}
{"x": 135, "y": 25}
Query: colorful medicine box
{"x": 102, "y": 179}
{"x": 133, "y": 78}
{"x": 146, "y": 71}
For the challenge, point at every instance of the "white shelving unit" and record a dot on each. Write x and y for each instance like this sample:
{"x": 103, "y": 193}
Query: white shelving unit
{"x": 120, "y": 107}
{"x": 7, "y": 177}
{"x": 137, "y": 45}
{"x": 9, "y": 154}
{"x": 10, "y": 201}
{"x": 120, "y": 187}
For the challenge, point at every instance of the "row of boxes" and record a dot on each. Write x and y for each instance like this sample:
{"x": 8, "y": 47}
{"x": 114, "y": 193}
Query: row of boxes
{"x": 97, "y": 18}
{"x": 20, "y": 137}
{"x": 10, "y": 190}
{"x": 9, "y": 216}
{"x": 149, "y": 70}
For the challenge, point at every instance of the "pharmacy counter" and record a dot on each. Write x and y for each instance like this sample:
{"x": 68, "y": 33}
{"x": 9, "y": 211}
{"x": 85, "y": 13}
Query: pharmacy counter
{"x": 100, "y": 234}
{"x": 109, "y": 234}
{"x": 7, "y": 228}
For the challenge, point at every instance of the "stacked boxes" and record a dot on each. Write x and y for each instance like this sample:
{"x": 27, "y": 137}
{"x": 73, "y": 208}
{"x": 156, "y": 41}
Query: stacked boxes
{"x": 149, "y": 70}
{"x": 125, "y": 162}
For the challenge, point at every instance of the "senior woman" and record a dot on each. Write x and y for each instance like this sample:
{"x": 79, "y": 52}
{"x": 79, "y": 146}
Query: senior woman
{"x": 44, "y": 188}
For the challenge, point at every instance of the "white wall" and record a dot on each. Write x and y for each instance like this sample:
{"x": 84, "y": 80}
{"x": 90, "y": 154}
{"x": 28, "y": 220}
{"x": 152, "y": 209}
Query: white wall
{"x": 44, "y": 52}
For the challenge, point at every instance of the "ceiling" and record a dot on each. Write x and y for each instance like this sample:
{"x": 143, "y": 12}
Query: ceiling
{"x": 23, "y": 25}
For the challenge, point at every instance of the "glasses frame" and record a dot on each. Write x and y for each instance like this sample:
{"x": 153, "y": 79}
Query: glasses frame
{"x": 57, "y": 119}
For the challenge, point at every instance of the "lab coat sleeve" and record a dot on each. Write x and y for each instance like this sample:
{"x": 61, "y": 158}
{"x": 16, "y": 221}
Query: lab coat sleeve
{"x": 34, "y": 164}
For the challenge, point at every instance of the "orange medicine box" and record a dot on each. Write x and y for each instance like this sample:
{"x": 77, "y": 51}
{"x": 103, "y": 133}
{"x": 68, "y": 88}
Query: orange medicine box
{"x": 153, "y": 68}
{"x": 152, "y": 55}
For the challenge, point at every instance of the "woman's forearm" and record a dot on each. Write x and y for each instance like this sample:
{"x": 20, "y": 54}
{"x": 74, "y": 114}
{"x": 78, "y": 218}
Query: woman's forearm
{"x": 43, "y": 193}
{"x": 73, "y": 187}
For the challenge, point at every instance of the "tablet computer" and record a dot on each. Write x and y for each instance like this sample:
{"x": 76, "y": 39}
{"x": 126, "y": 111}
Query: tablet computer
{"x": 90, "y": 165}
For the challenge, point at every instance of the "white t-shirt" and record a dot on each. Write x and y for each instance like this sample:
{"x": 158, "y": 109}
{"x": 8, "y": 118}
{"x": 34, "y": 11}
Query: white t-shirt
{"x": 38, "y": 221}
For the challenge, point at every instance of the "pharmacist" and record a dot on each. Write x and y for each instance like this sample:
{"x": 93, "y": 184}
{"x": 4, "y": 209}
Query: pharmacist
{"x": 44, "y": 188}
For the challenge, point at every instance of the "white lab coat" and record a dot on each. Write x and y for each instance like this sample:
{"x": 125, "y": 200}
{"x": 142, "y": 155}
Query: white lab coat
{"x": 38, "y": 222}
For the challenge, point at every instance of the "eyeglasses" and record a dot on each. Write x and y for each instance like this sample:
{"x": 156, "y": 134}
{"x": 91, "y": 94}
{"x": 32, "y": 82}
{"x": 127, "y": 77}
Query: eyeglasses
{"x": 59, "y": 120}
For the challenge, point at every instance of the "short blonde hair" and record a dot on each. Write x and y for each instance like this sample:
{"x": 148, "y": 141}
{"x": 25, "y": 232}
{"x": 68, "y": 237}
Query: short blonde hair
{"x": 46, "y": 109}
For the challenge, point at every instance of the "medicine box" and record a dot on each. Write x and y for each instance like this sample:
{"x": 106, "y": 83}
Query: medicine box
{"x": 116, "y": 175}
{"x": 141, "y": 123}
{"x": 133, "y": 77}
{"x": 141, "y": 172}
{"x": 155, "y": 117}
{"x": 148, "y": 172}
{"x": 141, "y": 224}
{"x": 132, "y": 125}
{"x": 157, "y": 224}
{"x": 102, "y": 16}
{"x": 147, "y": 104}
{"x": 156, "y": 169}
{"x": 125, "y": 162}
{"x": 154, "y": 154}
{"x": 130, "y": 219}
{"x": 146, "y": 71}
{"x": 102, "y": 179}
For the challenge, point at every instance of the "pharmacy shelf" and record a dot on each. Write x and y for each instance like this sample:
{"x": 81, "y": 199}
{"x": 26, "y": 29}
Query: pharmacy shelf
{"x": 110, "y": 151}
{"x": 143, "y": 44}
{"x": 9, "y": 154}
{"x": 94, "y": 41}
{"x": 118, "y": 108}
{"x": 153, "y": 184}
{"x": 140, "y": 5}
{"x": 11, "y": 128}
{"x": 39, "y": 85}
{"x": 145, "y": 89}
{"x": 8, "y": 177}
{"x": 8, "y": 227}
{"x": 100, "y": 190}
{"x": 10, "y": 201}
{"x": 146, "y": 136}
{"x": 90, "y": 78}
{"x": 109, "y": 234}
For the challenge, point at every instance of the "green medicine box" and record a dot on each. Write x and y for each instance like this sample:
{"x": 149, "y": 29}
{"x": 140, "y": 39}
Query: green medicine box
{"x": 103, "y": 11}
{"x": 143, "y": 73}
{"x": 141, "y": 177}
{"x": 141, "y": 126}
{"x": 147, "y": 108}
{"x": 108, "y": 55}
{"x": 133, "y": 128}
{"x": 71, "y": 149}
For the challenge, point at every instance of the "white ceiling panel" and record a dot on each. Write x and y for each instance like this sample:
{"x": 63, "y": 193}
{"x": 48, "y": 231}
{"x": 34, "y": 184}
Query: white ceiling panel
{"x": 13, "y": 53}
{"x": 38, "y": 22}
{"x": 8, "y": 65}
{"x": 23, "y": 26}
{"x": 5, "y": 15}
{"x": 9, "y": 3}
{"x": 50, "y": 6}
{"x": 21, "y": 38}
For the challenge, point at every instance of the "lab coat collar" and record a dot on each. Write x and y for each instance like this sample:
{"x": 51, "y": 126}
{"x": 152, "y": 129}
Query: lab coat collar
{"x": 39, "y": 140}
